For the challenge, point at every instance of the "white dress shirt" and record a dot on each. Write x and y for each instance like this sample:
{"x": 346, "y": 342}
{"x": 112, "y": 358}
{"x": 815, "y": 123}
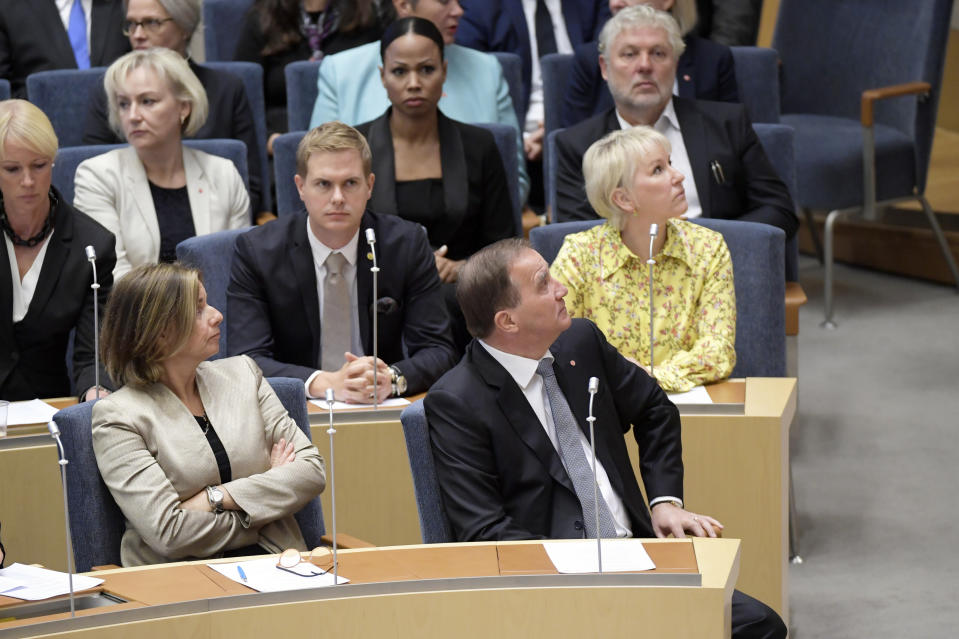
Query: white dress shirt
{"x": 668, "y": 125}
{"x": 66, "y": 6}
{"x": 24, "y": 289}
{"x": 534, "y": 112}
{"x": 523, "y": 372}
{"x": 320, "y": 252}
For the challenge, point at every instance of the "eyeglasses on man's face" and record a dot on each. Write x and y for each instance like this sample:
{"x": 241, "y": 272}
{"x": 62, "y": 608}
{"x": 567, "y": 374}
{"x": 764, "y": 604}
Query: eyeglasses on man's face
{"x": 152, "y": 25}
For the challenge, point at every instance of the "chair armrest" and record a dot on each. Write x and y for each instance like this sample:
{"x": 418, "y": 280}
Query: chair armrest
{"x": 795, "y": 297}
{"x": 346, "y": 541}
{"x": 870, "y": 96}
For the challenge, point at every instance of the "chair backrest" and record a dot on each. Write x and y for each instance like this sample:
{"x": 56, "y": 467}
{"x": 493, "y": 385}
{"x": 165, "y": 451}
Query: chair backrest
{"x": 96, "y": 522}
{"x": 301, "y": 91}
{"x": 778, "y": 141}
{"x": 833, "y": 51}
{"x": 222, "y": 26}
{"x": 757, "y": 252}
{"x": 64, "y": 96}
{"x": 513, "y": 71}
{"x": 69, "y": 158}
{"x": 284, "y": 168}
{"x": 213, "y": 255}
{"x": 505, "y": 137}
{"x": 549, "y": 173}
{"x": 252, "y": 76}
{"x": 757, "y": 78}
{"x": 555, "y": 68}
{"x": 4, "y": 89}
{"x": 434, "y": 525}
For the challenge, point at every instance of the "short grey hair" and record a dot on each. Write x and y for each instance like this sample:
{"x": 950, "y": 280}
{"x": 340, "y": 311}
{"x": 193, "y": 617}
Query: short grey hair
{"x": 638, "y": 17}
{"x": 169, "y": 67}
{"x": 185, "y": 13}
{"x": 610, "y": 163}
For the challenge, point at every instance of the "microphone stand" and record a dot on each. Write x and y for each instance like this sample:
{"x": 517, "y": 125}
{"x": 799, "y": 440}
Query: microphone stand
{"x": 332, "y": 431}
{"x": 62, "y": 457}
{"x": 593, "y": 387}
{"x": 653, "y": 231}
{"x": 375, "y": 269}
{"x": 92, "y": 258}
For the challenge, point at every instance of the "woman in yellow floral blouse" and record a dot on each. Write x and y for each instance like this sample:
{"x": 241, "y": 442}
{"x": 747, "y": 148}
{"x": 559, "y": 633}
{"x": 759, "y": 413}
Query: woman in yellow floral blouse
{"x": 630, "y": 183}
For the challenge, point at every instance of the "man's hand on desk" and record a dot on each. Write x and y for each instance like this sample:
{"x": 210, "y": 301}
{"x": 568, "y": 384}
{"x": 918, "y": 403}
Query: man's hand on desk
{"x": 671, "y": 519}
{"x": 353, "y": 383}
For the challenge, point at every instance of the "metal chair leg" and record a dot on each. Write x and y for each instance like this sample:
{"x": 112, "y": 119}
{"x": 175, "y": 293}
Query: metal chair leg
{"x": 813, "y": 233}
{"x": 941, "y": 238}
{"x": 829, "y": 232}
{"x": 794, "y": 555}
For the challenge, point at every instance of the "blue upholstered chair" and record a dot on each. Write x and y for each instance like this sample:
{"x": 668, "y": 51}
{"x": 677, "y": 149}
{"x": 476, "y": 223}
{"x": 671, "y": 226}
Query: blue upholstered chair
{"x": 63, "y": 95}
{"x": 555, "y": 68}
{"x": 4, "y": 89}
{"x": 856, "y": 147}
{"x": 96, "y": 522}
{"x": 252, "y": 76}
{"x": 513, "y": 70}
{"x": 223, "y": 24}
{"x": 434, "y": 525}
{"x": 505, "y": 137}
{"x": 69, "y": 158}
{"x": 758, "y": 271}
{"x": 757, "y": 78}
{"x": 549, "y": 172}
{"x": 284, "y": 168}
{"x": 213, "y": 255}
{"x": 301, "y": 91}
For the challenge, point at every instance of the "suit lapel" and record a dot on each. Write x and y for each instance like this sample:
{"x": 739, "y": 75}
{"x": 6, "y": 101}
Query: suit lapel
{"x": 518, "y": 20}
{"x": 100, "y": 22}
{"x": 56, "y": 255}
{"x": 694, "y": 138}
{"x": 381, "y": 145}
{"x": 301, "y": 260}
{"x": 686, "y": 77}
{"x": 453, "y": 160}
{"x": 138, "y": 192}
{"x": 198, "y": 191}
{"x": 364, "y": 282}
{"x": 519, "y": 413}
{"x": 59, "y": 42}
{"x": 6, "y": 298}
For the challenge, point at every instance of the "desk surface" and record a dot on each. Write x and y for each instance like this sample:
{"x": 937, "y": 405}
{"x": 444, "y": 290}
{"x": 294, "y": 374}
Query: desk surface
{"x": 438, "y": 569}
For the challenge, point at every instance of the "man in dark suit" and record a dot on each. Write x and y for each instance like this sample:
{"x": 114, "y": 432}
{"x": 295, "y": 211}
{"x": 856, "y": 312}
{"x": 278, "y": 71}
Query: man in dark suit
{"x": 507, "y": 425}
{"x": 290, "y": 273}
{"x": 33, "y": 37}
{"x": 713, "y": 144}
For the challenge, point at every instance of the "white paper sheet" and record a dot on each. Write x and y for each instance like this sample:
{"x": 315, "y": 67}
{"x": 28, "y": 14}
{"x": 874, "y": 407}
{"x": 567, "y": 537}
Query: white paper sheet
{"x": 6, "y": 583}
{"x": 33, "y": 411}
{"x": 619, "y": 555}
{"x": 263, "y": 575}
{"x": 392, "y": 402}
{"x": 40, "y": 583}
{"x": 696, "y": 395}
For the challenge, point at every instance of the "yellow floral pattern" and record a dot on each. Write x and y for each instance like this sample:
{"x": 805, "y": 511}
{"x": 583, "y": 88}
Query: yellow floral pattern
{"x": 693, "y": 297}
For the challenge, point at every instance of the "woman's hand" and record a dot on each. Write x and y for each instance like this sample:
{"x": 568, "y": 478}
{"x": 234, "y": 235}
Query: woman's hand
{"x": 282, "y": 453}
{"x": 447, "y": 268}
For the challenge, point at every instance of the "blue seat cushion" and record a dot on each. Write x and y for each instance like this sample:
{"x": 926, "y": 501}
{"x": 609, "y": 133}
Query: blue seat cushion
{"x": 829, "y": 161}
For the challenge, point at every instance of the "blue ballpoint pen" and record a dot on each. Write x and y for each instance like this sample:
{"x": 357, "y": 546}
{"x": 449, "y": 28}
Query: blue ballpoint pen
{"x": 239, "y": 569}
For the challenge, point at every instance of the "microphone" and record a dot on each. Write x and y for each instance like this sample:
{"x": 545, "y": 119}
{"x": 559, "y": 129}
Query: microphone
{"x": 653, "y": 232}
{"x": 92, "y": 258}
{"x": 371, "y": 240}
{"x": 332, "y": 431}
{"x": 62, "y": 461}
{"x": 593, "y": 388}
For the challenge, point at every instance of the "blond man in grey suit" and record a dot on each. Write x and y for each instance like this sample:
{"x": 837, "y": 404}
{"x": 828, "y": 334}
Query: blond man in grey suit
{"x": 200, "y": 456}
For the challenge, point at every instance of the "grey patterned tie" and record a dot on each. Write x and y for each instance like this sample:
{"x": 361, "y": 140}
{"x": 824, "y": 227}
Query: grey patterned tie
{"x": 573, "y": 456}
{"x": 337, "y": 323}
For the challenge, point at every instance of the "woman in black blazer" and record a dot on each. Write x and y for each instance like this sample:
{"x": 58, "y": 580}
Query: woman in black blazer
{"x": 172, "y": 24}
{"x": 444, "y": 174}
{"x": 45, "y": 277}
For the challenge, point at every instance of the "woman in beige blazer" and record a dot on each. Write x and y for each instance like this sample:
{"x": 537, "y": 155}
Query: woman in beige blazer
{"x": 157, "y": 192}
{"x": 200, "y": 456}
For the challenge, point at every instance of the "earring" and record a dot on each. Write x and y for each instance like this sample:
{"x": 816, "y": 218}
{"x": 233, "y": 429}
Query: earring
{"x": 182, "y": 119}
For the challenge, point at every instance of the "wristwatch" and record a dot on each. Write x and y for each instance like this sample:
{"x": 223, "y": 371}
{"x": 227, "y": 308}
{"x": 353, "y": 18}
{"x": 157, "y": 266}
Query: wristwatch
{"x": 215, "y": 496}
{"x": 397, "y": 381}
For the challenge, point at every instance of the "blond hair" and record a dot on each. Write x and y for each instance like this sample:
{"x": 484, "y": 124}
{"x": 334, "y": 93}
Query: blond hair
{"x": 610, "y": 163}
{"x": 641, "y": 16}
{"x": 170, "y": 67}
{"x": 330, "y": 137}
{"x": 149, "y": 317}
{"x": 685, "y": 14}
{"x": 22, "y": 123}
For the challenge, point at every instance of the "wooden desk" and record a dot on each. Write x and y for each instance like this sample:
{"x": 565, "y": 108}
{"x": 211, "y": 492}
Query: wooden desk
{"x": 737, "y": 470}
{"x": 461, "y": 590}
